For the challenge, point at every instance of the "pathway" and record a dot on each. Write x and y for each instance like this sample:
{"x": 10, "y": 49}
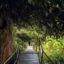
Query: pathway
{"x": 29, "y": 56}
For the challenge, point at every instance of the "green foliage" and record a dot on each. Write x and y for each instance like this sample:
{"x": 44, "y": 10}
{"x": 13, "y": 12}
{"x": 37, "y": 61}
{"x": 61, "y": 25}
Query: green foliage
{"x": 14, "y": 37}
{"x": 43, "y": 12}
{"x": 28, "y": 34}
{"x": 54, "y": 49}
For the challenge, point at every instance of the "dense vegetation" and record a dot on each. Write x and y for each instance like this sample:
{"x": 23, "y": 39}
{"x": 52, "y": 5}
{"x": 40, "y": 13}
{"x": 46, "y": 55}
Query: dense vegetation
{"x": 54, "y": 48}
{"x": 48, "y": 13}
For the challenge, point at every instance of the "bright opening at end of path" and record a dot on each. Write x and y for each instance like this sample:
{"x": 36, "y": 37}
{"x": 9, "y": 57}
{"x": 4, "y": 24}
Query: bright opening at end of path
{"x": 29, "y": 47}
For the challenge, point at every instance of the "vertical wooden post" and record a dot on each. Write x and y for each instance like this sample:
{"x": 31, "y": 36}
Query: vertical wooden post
{"x": 42, "y": 51}
{"x": 36, "y": 46}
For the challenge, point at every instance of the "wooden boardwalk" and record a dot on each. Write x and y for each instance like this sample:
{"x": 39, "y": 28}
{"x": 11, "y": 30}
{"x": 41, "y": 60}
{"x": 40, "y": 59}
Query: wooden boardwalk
{"x": 29, "y": 56}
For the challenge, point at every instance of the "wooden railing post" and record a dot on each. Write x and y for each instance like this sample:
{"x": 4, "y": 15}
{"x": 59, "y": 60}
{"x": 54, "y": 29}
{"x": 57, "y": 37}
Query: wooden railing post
{"x": 41, "y": 52}
{"x": 45, "y": 54}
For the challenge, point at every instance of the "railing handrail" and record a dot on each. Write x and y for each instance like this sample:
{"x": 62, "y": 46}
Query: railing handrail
{"x": 45, "y": 53}
{"x": 9, "y": 57}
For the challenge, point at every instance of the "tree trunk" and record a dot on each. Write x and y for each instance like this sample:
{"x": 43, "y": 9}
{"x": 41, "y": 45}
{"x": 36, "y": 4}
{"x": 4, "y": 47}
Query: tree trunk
{"x": 5, "y": 37}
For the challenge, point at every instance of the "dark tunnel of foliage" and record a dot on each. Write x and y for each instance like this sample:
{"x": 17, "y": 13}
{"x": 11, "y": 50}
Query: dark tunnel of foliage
{"x": 49, "y": 13}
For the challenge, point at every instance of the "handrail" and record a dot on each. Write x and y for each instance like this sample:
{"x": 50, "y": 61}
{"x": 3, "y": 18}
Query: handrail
{"x": 10, "y": 57}
{"x": 17, "y": 57}
{"x": 45, "y": 53}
